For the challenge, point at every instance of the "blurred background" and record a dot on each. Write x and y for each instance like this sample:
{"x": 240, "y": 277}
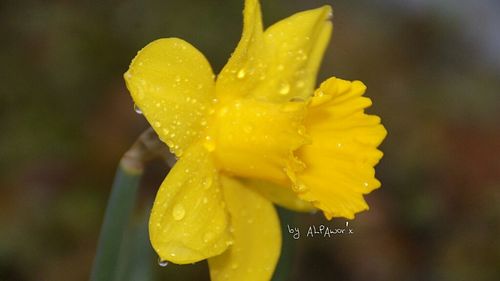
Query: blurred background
{"x": 432, "y": 68}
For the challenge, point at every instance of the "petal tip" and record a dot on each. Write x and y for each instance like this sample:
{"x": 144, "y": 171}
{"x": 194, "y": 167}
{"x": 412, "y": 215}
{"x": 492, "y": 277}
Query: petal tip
{"x": 328, "y": 11}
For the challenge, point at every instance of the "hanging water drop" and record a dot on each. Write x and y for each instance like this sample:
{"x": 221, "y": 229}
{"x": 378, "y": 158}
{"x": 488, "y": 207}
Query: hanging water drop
{"x": 137, "y": 109}
{"x": 162, "y": 263}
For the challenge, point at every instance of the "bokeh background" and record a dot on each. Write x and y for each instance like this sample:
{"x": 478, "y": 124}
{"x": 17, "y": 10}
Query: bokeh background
{"x": 432, "y": 68}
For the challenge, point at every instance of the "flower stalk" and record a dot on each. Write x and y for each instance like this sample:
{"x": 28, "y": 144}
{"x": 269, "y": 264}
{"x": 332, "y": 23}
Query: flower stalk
{"x": 122, "y": 201}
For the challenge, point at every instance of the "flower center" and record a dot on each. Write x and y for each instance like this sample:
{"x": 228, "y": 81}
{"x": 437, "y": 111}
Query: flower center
{"x": 255, "y": 139}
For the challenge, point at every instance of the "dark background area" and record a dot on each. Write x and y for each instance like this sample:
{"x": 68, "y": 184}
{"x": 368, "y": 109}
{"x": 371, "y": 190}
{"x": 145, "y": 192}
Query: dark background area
{"x": 433, "y": 72}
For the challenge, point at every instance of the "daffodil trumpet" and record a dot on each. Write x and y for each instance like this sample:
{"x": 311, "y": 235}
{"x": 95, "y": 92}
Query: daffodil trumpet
{"x": 257, "y": 134}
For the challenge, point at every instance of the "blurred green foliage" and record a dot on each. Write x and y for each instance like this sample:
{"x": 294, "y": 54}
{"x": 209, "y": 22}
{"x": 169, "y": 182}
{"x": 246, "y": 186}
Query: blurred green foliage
{"x": 432, "y": 69}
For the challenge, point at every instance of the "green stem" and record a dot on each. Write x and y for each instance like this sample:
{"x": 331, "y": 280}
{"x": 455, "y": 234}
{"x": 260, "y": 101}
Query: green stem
{"x": 116, "y": 219}
{"x": 122, "y": 201}
{"x": 137, "y": 258}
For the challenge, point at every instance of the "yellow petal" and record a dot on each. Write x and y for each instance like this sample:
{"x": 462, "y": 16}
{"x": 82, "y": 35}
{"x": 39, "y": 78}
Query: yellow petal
{"x": 235, "y": 78}
{"x": 281, "y": 64}
{"x": 341, "y": 158}
{"x": 280, "y": 195}
{"x": 294, "y": 50}
{"x": 189, "y": 220}
{"x": 172, "y": 83}
{"x": 257, "y": 237}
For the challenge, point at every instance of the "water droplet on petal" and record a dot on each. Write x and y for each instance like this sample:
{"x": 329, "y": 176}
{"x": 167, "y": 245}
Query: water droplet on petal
{"x": 178, "y": 212}
{"x": 241, "y": 73}
{"x": 299, "y": 187}
{"x": 208, "y": 236}
{"x": 223, "y": 111}
{"x": 157, "y": 124}
{"x": 207, "y": 182}
{"x": 284, "y": 88}
{"x": 162, "y": 263}
{"x": 209, "y": 143}
{"x": 301, "y": 55}
{"x": 169, "y": 143}
{"x": 137, "y": 109}
{"x": 248, "y": 129}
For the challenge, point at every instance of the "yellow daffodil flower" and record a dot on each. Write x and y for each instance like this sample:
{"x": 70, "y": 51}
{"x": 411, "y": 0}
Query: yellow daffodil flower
{"x": 258, "y": 134}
